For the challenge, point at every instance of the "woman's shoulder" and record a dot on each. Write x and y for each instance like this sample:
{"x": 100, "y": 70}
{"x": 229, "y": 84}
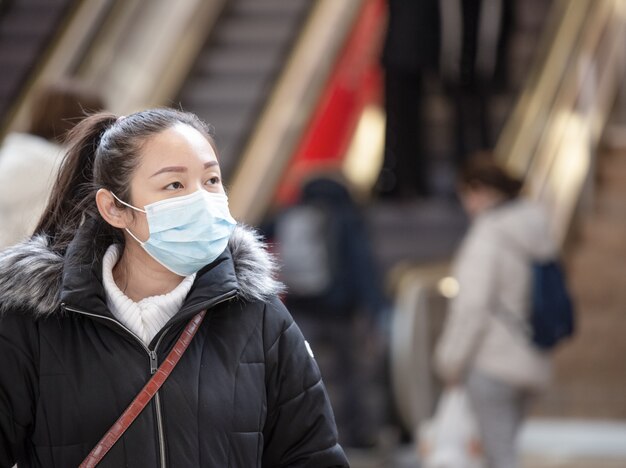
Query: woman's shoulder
{"x": 276, "y": 319}
{"x": 526, "y": 208}
{"x": 19, "y": 330}
{"x": 511, "y": 216}
{"x": 255, "y": 267}
{"x": 520, "y": 225}
{"x": 271, "y": 317}
{"x": 30, "y": 278}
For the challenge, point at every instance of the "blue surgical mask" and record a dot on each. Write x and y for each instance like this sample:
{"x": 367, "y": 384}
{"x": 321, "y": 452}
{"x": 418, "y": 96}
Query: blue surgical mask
{"x": 188, "y": 232}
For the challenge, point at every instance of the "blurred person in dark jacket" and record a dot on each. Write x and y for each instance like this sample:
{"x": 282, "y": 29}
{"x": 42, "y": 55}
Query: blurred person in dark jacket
{"x": 473, "y": 52}
{"x": 411, "y": 50}
{"x": 334, "y": 290}
{"x": 462, "y": 43}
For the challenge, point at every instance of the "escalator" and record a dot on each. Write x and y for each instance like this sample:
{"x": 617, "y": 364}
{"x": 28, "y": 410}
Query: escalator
{"x": 27, "y": 30}
{"x": 256, "y": 71}
{"x": 236, "y": 69}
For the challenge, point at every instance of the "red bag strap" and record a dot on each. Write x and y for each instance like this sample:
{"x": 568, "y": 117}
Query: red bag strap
{"x": 145, "y": 395}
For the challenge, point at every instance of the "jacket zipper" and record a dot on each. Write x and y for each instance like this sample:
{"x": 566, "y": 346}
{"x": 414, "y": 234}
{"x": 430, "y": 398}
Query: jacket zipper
{"x": 153, "y": 368}
{"x": 152, "y": 354}
{"x": 154, "y": 365}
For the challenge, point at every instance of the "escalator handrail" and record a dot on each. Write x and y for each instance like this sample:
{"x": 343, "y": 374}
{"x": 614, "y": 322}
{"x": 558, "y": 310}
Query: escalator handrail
{"x": 532, "y": 143}
{"x": 288, "y": 109}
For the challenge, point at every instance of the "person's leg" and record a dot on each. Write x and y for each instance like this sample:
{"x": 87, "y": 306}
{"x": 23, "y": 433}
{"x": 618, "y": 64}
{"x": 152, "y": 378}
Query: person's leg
{"x": 405, "y": 168}
{"x": 483, "y": 98}
{"x": 462, "y": 125}
{"x": 470, "y": 125}
{"x": 353, "y": 416}
{"x": 499, "y": 411}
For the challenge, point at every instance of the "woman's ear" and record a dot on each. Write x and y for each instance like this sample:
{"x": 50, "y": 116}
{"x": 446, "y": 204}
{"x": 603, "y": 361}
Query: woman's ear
{"x": 112, "y": 214}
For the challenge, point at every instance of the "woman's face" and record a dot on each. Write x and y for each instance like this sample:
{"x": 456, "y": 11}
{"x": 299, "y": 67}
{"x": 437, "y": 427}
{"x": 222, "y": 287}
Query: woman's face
{"x": 176, "y": 162}
{"x": 476, "y": 200}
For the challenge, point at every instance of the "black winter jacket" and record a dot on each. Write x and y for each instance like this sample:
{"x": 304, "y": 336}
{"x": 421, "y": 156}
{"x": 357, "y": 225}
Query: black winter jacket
{"x": 246, "y": 393}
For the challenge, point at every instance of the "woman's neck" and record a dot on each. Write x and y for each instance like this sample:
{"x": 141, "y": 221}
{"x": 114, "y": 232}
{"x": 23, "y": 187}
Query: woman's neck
{"x": 139, "y": 276}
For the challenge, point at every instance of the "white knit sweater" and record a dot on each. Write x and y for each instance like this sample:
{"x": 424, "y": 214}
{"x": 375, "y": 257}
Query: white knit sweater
{"x": 146, "y": 317}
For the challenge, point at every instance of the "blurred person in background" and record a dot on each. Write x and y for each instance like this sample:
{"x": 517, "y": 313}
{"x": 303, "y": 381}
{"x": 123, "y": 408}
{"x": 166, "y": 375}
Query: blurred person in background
{"x": 411, "y": 50}
{"x": 486, "y": 345}
{"x": 335, "y": 292}
{"x": 29, "y": 161}
{"x": 136, "y": 245}
{"x": 463, "y": 45}
{"x": 473, "y": 66}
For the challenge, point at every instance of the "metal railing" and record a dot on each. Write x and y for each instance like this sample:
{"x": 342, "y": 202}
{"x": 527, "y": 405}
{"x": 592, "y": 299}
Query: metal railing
{"x": 553, "y": 132}
{"x": 134, "y": 52}
{"x": 289, "y": 108}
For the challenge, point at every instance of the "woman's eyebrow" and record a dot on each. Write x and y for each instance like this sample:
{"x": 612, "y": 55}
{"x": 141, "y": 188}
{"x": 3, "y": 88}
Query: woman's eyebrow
{"x": 182, "y": 168}
{"x": 170, "y": 169}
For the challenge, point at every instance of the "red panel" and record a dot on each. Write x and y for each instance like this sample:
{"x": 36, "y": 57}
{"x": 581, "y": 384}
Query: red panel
{"x": 354, "y": 83}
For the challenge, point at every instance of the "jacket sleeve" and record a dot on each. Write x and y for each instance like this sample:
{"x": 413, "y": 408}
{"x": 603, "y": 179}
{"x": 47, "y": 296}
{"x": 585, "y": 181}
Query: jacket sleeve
{"x": 300, "y": 427}
{"x": 364, "y": 271}
{"x": 18, "y": 376}
{"x": 470, "y": 311}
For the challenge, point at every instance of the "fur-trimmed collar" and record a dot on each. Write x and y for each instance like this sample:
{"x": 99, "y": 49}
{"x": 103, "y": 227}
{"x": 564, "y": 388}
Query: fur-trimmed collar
{"x": 31, "y": 274}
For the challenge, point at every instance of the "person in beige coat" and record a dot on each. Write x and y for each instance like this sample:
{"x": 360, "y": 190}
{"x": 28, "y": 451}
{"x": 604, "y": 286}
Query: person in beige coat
{"x": 486, "y": 341}
{"x": 29, "y": 160}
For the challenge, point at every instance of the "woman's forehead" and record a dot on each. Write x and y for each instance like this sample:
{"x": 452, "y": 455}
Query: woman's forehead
{"x": 177, "y": 145}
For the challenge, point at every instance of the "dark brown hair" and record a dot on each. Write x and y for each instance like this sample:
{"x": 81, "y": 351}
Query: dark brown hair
{"x": 59, "y": 106}
{"x": 103, "y": 152}
{"x": 483, "y": 172}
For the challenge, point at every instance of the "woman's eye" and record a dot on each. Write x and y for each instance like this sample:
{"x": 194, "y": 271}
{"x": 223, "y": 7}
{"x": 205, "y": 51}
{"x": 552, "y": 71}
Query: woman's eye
{"x": 214, "y": 180}
{"x": 174, "y": 186}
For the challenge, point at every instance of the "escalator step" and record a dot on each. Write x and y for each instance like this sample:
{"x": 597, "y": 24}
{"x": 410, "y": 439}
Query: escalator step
{"x": 223, "y": 90}
{"x": 234, "y": 73}
{"x": 24, "y": 28}
{"x": 242, "y": 62}
{"x": 270, "y": 7}
{"x": 227, "y": 123}
{"x": 242, "y": 30}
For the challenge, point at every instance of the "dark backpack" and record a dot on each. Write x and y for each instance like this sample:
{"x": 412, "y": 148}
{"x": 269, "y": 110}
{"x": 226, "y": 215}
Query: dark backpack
{"x": 551, "y": 313}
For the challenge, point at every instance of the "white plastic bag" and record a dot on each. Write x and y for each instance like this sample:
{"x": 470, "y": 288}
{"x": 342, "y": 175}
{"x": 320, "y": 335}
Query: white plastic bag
{"x": 451, "y": 438}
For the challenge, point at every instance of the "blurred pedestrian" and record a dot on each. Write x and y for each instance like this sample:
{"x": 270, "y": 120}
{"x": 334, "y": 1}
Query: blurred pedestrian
{"x": 135, "y": 253}
{"x": 462, "y": 43}
{"x": 334, "y": 290}
{"x": 410, "y": 52}
{"x": 486, "y": 344}
{"x": 29, "y": 160}
{"x": 473, "y": 67}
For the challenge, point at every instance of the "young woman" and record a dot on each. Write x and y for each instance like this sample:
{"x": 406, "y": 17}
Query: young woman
{"x": 136, "y": 240}
{"x": 486, "y": 344}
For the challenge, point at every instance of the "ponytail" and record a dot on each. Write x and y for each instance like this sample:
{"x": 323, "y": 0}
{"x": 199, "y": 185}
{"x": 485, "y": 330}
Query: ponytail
{"x": 73, "y": 196}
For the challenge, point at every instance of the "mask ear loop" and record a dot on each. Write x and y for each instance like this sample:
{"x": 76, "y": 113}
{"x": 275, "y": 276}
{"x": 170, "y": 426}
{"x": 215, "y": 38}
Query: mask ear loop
{"x": 134, "y": 208}
{"x": 127, "y": 204}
